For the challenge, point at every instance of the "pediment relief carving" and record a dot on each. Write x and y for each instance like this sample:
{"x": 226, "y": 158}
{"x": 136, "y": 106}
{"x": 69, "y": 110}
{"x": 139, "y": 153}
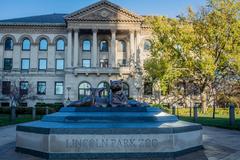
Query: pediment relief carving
{"x": 103, "y": 15}
{"x": 104, "y": 11}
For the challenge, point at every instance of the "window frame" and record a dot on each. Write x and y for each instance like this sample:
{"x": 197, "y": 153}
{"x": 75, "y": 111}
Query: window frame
{"x": 39, "y": 45}
{"x": 59, "y": 59}
{"x": 4, "y": 62}
{"x": 22, "y": 64}
{"x": 145, "y": 42}
{"x": 6, "y": 85}
{"x": 86, "y": 60}
{"x": 55, "y": 87}
{"x": 12, "y": 46}
{"x": 90, "y": 49}
{"x": 30, "y": 44}
{"x": 100, "y": 48}
{"x": 39, "y": 64}
{"x": 148, "y": 88}
{"x": 85, "y": 90}
{"x": 23, "y": 92}
{"x": 60, "y": 50}
{"x": 39, "y": 93}
{"x": 106, "y": 87}
{"x": 103, "y": 62}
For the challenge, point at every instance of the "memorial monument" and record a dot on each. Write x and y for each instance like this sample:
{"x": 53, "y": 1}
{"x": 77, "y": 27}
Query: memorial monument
{"x": 107, "y": 127}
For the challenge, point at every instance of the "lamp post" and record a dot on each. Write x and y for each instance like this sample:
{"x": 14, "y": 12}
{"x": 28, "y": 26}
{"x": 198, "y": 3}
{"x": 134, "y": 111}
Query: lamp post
{"x": 68, "y": 99}
{"x": 138, "y": 74}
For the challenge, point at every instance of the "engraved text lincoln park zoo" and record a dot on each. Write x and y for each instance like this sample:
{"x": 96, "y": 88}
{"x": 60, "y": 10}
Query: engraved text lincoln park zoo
{"x": 111, "y": 143}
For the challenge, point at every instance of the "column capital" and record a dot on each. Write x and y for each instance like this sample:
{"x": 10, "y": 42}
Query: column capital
{"x": 69, "y": 29}
{"x": 131, "y": 31}
{"x": 76, "y": 30}
{"x": 138, "y": 31}
{"x": 94, "y": 30}
{"x": 113, "y": 30}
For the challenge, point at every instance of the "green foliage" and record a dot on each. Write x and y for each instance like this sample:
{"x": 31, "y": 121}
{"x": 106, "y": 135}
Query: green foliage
{"x": 200, "y": 47}
{"x": 53, "y": 106}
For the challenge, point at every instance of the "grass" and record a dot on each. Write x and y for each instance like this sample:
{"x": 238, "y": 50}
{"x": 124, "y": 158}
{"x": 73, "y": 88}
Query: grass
{"x": 221, "y": 117}
{"x": 5, "y": 119}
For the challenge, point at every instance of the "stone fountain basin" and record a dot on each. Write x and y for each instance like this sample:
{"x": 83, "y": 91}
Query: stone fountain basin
{"x": 85, "y": 133}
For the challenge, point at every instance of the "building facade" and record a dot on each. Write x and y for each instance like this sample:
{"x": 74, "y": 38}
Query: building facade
{"x": 61, "y": 56}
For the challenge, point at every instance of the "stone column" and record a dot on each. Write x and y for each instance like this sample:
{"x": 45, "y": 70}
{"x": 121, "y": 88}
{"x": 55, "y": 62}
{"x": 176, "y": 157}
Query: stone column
{"x": 132, "y": 44}
{"x": 94, "y": 55}
{"x": 76, "y": 47}
{"x": 69, "y": 50}
{"x": 34, "y": 57}
{"x": 113, "y": 49}
{"x": 17, "y": 57}
{"x": 1, "y": 56}
{"x": 137, "y": 49}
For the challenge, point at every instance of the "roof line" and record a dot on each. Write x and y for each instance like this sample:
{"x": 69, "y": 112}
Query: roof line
{"x": 30, "y": 24}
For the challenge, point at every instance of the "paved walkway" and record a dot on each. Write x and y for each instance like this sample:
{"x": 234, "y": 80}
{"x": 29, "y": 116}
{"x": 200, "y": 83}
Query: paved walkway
{"x": 219, "y": 144}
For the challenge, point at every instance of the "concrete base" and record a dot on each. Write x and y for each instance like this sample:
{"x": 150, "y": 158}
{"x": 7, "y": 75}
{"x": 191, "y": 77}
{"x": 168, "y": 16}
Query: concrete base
{"x": 88, "y": 133}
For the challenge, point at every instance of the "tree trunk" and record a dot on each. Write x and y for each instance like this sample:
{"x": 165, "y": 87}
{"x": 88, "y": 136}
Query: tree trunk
{"x": 204, "y": 101}
{"x": 159, "y": 97}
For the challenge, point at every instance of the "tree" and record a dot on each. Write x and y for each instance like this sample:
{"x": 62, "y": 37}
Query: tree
{"x": 198, "y": 48}
{"x": 20, "y": 94}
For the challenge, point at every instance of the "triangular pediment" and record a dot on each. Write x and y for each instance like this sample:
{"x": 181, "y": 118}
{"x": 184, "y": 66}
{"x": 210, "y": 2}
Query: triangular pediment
{"x": 104, "y": 11}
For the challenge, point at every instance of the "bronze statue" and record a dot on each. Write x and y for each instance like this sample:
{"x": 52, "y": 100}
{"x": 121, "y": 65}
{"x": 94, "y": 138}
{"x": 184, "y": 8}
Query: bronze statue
{"x": 116, "y": 97}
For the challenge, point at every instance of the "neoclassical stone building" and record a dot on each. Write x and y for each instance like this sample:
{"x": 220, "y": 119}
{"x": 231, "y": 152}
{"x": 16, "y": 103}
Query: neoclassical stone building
{"x": 63, "y": 55}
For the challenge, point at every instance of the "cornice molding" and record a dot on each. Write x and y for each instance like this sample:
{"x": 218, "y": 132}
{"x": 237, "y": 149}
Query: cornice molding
{"x": 34, "y": 29}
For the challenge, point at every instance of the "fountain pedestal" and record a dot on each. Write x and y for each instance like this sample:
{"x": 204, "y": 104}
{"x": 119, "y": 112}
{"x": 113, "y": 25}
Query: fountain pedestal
{"x": 123, "y": 132}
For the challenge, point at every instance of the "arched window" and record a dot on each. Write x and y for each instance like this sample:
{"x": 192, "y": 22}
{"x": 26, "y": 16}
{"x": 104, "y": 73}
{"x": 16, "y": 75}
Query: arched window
{"x": 60, "y": 46}
{"x": 43, "y": 44}
{"x": 147, "y": 45}
{"x": 26, "y": 44}
{"x": 9, "y": 44}
{"x": 104, "y": 46}
{"x": 122, "y": 47}
{"x": 104, "y": 85}
{"x": 126, "y": 89}
{"x": 86, "y": 45}
{"x": 84, "y": 89}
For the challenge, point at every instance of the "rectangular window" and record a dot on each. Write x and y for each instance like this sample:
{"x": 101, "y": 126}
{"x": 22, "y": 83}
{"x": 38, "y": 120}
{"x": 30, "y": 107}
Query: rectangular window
{"x": 86, "y": 63}
{"x": 42, "y": 64}
{"x": 41, "y": 88}
{"x": 59, "y": 64}
{"x": 24, "y": 87}
{"x": 6, "y": 87}
{"x": 8, "y": 64}
{"x": 25, "y": 65}
{"x": 86, "y": 46}
{"x": 5, "y": 104}
{"x": 104, "y": 63}
{"x": 122, "y": 63}
{"x": 148, "y": 88}
{"x": 59, "y": 88}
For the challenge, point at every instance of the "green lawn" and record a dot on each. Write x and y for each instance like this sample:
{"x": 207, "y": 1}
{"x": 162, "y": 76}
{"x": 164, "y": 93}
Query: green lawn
{"x": 5, "y": 119}
{"x": 221, "y": 117}
{"x": 217, "y": 122}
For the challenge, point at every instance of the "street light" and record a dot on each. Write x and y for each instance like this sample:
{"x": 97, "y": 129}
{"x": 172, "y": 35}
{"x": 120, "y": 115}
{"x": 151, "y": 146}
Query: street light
{"x": 68, "y": 99}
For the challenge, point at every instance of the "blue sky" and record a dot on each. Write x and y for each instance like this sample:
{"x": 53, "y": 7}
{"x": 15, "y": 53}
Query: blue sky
{"x": 23, "y": 8}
